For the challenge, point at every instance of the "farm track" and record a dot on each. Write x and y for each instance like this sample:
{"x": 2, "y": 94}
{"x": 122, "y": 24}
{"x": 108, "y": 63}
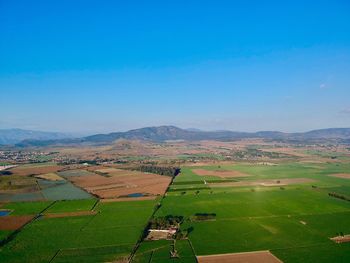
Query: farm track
{"x": 145, "y": 228}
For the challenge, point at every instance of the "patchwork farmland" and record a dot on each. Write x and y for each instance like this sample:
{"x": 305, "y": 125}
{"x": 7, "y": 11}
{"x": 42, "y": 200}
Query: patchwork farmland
{"x": 291, "y": 218}
{"x": 210, "y": 212}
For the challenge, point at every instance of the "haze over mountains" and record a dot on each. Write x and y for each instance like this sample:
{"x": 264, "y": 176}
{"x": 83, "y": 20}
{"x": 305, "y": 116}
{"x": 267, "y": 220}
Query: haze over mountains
{"x": 25, "y": 138}
{"x": 13, "y": 136}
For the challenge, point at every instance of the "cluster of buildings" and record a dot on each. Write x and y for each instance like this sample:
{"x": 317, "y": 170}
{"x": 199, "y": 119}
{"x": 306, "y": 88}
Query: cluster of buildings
{"x": 22, "y": 156}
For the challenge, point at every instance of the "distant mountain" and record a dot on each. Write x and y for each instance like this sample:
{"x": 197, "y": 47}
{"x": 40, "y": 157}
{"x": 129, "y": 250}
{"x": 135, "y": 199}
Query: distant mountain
{"x": 14, "y": 136}
{"x": 165, "y": 133}
{"x": 193, "y": 129}
{"x": 332, "y": 133}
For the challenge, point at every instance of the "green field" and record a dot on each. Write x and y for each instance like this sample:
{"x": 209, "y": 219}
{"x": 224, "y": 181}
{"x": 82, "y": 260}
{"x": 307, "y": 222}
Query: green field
{"x": 72, "y": 206}
{"x": 26, "y": 208}
{"x": 158, "y": 251}
{"x": 109, "y": 234}
{"x": 295, "y": 222}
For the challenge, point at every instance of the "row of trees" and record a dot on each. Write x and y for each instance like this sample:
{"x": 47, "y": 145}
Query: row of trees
{"x": 203, "y": 216}
{"x": 165, "y": 222}
{"x": 162, "y": 170}
{"x": 339, "y": 196}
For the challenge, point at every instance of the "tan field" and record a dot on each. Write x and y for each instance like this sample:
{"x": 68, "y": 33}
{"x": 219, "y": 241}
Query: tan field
{"x": 14, "y": 222}
{"x": 121, "y": 183}
{"x": 35, "y": 170}
{"x": 247, "y": 257}
{"x": 50, "y": 177}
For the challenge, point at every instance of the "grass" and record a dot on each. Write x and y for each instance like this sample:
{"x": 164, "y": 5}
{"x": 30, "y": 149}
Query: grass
{"x": 72, "y": 206}
{"x": 4, "y": 234}
{"x": 109, "y": 234}
{"x": 159, "y": 251}
{"x": 294, "y": 223}
{"x": 95, "y": 254}
{"x": 250, "y": 204}
{"x": 26, "y": 208}
{"x": 317, "y": 253}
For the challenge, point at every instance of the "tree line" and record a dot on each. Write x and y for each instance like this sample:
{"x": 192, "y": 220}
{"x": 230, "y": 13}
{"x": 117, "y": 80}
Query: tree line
{"x": 155, "y": 169}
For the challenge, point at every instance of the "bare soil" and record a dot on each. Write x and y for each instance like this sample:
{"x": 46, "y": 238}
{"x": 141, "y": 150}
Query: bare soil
{"x": 248, "y": 257}
{"x": 13, "y": 222}
{"x": 123, "y": 183}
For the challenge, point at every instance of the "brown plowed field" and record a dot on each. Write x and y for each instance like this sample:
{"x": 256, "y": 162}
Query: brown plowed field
{"x": 248, "y": 257}
{"x": 13, "y": 222}
{"x": 220, "y": 173}
{"x": 122, "y": 184}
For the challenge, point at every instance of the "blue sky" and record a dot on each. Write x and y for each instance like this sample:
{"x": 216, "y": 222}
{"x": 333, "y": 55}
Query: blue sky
{"x": 100, "y": 66}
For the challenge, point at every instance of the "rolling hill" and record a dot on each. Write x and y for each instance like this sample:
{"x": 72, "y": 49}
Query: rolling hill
{"x": 166, "y": 133}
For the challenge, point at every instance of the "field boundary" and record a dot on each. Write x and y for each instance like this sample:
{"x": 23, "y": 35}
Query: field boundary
{"x": 14, "y": 233}
{"x": 157, "y": 206}
{"x": 55, "y": 255}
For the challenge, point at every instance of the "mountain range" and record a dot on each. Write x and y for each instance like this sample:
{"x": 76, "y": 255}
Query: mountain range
{"x": 25, "y": 138}
{"x": 14, "y": 136}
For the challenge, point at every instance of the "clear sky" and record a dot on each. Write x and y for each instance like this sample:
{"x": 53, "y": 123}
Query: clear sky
{"x": 101, "y": 66}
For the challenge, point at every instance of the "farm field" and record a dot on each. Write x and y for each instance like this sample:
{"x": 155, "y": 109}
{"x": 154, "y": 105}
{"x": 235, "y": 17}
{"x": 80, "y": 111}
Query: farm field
{"x": 47, "y": 204}
{"x": 106, "y": 235}
{"x": 174, "y": 131}
{"x": 101, "y": 213}
{"x": 116, "y": 183}
{"x": 38, "y": 182}
{"x": 158, "y": 251}
{"x": 294, "y": 221}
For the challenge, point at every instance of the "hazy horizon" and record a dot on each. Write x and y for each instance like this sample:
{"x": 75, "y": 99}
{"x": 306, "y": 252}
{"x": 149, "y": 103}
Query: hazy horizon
{"x": 223, "y": 66}
{"x": 82, "y": 134}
